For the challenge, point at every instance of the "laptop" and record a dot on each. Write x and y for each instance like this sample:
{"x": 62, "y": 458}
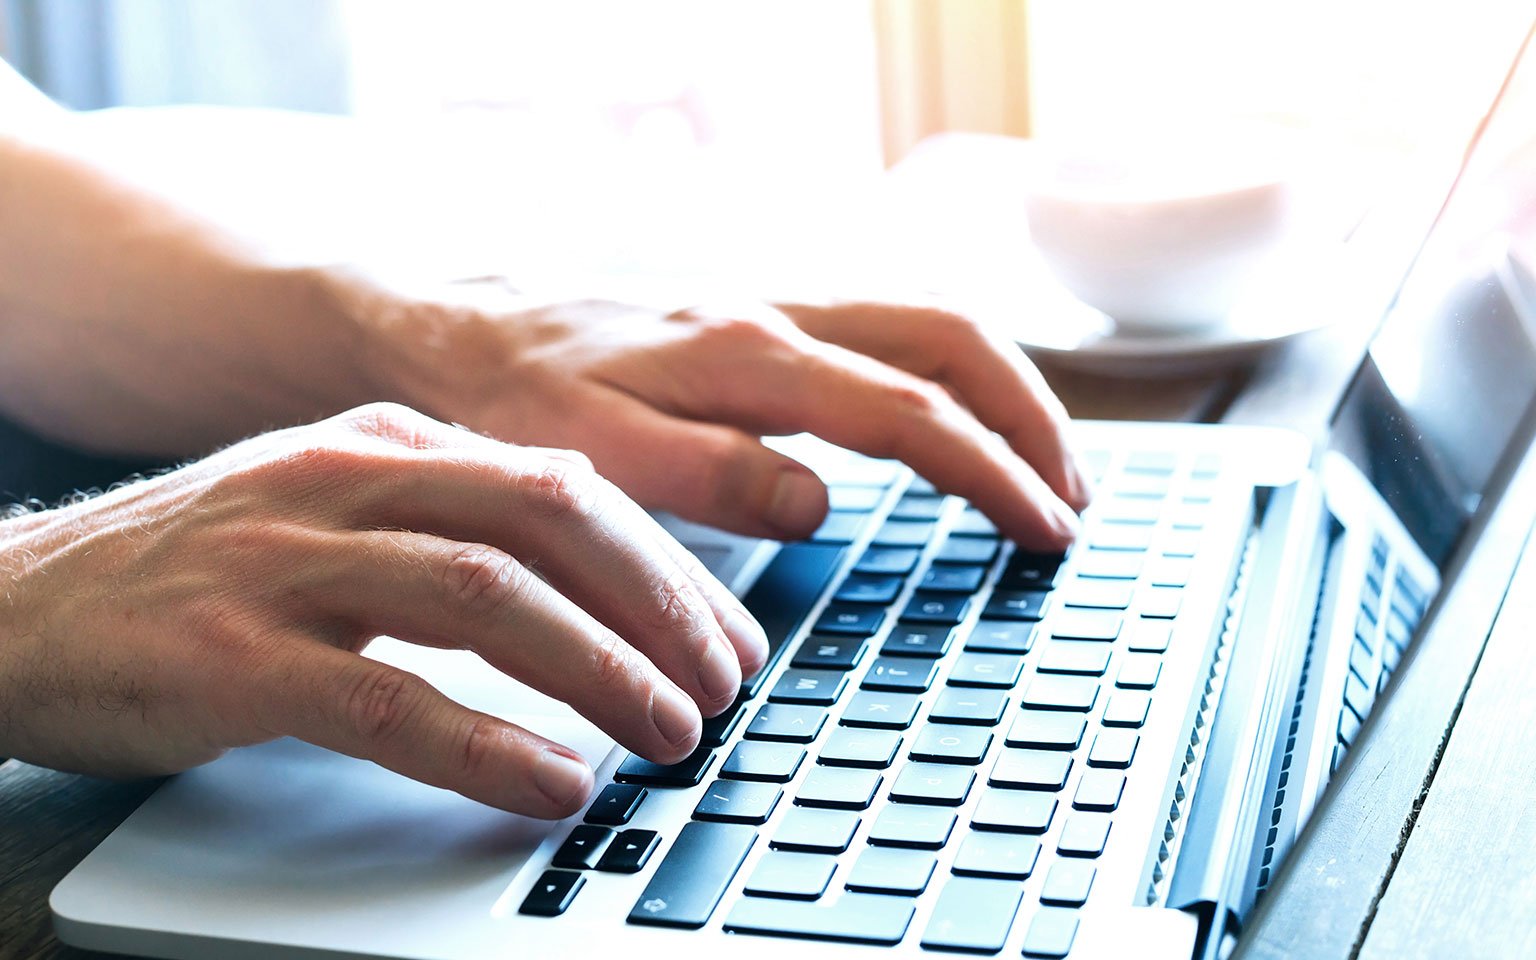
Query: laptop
{"x": 958, "y": 745}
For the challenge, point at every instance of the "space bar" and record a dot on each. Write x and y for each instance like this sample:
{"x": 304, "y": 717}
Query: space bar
{"x": 855, "y": 917}
{"x": 785, "y": 593}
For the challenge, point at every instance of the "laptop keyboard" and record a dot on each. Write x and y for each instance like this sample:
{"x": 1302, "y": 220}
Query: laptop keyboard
{"x": 1391, "y": 605}
{"x": 946, "y": 667}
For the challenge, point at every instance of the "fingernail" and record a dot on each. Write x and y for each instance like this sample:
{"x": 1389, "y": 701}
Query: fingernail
{"x": 1082, "y": 487}
{"x": 719, "y": 675}
{"x": 799, "y": 503}
{"x": 675, "y": 716}
{"x": 1066, "y": 522}
{"x": 562, "y": 779}
{"x": 751, "y": 642}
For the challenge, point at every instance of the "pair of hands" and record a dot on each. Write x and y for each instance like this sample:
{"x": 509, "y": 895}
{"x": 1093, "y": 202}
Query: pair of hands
{"x": 225, "y": 603}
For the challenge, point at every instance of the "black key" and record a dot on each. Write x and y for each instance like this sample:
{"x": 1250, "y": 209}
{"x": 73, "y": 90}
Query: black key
{"x": 973, "y": 523}
{"x": 1086, "y": 624}
{"x": 982, "y": 708}
{"x": 1149, "y": 636}
{"x": 881, "y": 710}
{"x": 1097, "y": 594}
{"x": 1051, "y": 933}
{"x": 868, "y": 588}
{"x": 791, "y": 876}
{"x": 839, "y": 788}
{"x": 1099, "y": 790}
{"x": 1031, "y": 770}
{"x": 1075, "y": 656}
{"x": 1113, "y": 748}
{"x": 953, "y": 579}
{"x": 1030, "y": 571}
{"x": 900, "y": 675}
{"x": 1357, "y": 696}
{"x": 917, "y": 640}
{"x": 615, "y": 805}
{"x": 688, "y": 772}
{"x": 853, "y": 917}
{"x": 766, "y": 762}
{"x": 1017, "y": 605}
{"x": 917, "y": 507}
{"x": 1014, "y": 811}
{"x": 552, "y": 893}
{"x": 1002, "y": 636}
{"x": 1083, "y": 835}
{"x": 1107, "y": 565}
{"x": 1046, "y": 730}
{"x": 888, "y": 560}
{"x": 629, "y": 851}
{"x": 973, "y": 915}
{"x": 902, "y": 873}
{"x": 737, "y": 801}
{"x": 815, "y": 831}
{"x": 784, "y": 594}
{"x": 583, "y": 848}
{"x": 1127, "y": 710}
{"x": 829, "y": 653}
{"x": 718, "y": 729}
{"x": 968, "y": 550}
{"x": 943, "y": 743}
{"x": 904, "y": 533}
{"x": 817, "y": 688}
{"x": 942, "y": 608}
{"x": 1068, "y": 882}
{"x": 1004, "y": 856}
{"x": 853, "y": 747}
{"x": 850, "y": 620}
{"x": 939, "y": 784}
{"x": 787, "y": 723}
{"x": 694, "y": 874}
{"x": 840, "y": 527}
{"x": 912, "y": 826}
{"x": 994, "y": 670}
{"x": 1052, "y": 692}
{"x": 854, "y": 498}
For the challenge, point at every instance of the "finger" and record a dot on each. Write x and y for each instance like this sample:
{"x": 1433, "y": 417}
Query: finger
{"x": 425, "y": 589}
{"x": 711, "y": 473}
{"x": 989, "y": 374}
{"x": 856, "y": 401}
{"x": 344, "y": 702}
{"x": 582, "y": 535}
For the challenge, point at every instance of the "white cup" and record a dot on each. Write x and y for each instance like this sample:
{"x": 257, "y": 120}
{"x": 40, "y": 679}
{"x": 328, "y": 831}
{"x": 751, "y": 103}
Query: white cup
{"x": 1162, "y": 235}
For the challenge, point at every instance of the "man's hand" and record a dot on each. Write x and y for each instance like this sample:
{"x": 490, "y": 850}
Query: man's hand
{"x": 149, "y": 629}
{"x": 670, "y": 405}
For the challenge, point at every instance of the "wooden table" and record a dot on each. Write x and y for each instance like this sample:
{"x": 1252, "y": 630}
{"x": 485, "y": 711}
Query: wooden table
{"x": 1426, "y": 844}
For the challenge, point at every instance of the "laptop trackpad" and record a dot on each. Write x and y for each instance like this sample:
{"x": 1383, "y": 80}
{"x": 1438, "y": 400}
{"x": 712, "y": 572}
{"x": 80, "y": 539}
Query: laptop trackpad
{"x": 324, "y": 843}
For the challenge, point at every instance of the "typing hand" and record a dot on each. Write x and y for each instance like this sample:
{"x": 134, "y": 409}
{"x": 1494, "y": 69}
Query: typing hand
{"x": 670, "y": 405}
{"x": 223, "y": 604}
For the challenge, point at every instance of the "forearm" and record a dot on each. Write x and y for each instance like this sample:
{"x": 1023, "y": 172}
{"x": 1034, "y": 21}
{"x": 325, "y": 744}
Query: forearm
{"x": 129, "y": 324}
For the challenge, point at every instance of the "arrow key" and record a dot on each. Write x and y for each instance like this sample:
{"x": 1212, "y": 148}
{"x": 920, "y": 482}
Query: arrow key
{"x": 583, "y": 847}
{"x": 629, "y": 851}
{"x": 552, "y": 893}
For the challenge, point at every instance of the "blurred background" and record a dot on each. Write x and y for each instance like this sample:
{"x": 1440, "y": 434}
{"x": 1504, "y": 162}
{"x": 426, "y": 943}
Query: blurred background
{"x": 752, "y": 110}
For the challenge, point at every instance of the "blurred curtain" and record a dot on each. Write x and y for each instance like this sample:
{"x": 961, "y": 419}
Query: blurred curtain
{"x": 951, "y": 65}
{"x": 104, "y": 53}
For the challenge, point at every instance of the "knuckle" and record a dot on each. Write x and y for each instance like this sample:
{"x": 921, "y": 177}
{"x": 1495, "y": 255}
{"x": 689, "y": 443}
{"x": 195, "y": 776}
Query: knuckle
{"x": 561, "y": 489}
{"x": 740, "y": 332}
{"x": 612, "y": 663}
{"x": 921, "y": 399}
{"x": 482, "y": 580}
{"x": 392, "y": 421}
{"x": 675, "y": 609}
{"x": 381, "y": 702}
{"x": 478, "y": 751}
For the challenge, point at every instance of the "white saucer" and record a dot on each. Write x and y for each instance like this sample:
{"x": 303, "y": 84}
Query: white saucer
{"x": 1292, "y": 299}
